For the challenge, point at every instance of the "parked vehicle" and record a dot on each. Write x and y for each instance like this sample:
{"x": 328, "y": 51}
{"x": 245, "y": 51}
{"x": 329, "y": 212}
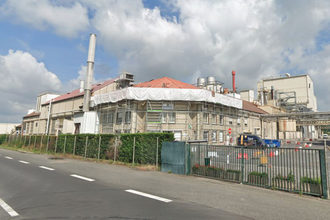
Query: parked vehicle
{"x": 325, "y": 136}
{"x": 273, "y": 143}
{"x": 250, "y": 140}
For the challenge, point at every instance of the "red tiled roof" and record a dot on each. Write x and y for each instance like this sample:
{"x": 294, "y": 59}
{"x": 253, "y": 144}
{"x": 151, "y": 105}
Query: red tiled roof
{"x": 249, "y": 106}
{"x": 32, "y": 114}
{"x": 77, "y": 93}
{"x": 166, "y": 82}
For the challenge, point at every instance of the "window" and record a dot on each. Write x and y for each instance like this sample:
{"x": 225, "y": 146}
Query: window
{"x": 168, "y": 117}
{"x": 214, "y": 136}
{"x": 221, "y": 119}
{"x": 36, "y": 125}
{"x": 119, "y": 118}
{"x": 110, "y": 117}
{"x": 171, "y": 117}
{"x": 206, "y": 135}
{"x": 127, "y": 117}
{"x": 230, "y": 121}
{"x": 206, "y": 118}
{"x": 220, "y": 136}
{"x": 238, "y": 121}
{"x": 168, "y": 106}
{"x": 245, "y": 121}
{"x": 214, "y": 118}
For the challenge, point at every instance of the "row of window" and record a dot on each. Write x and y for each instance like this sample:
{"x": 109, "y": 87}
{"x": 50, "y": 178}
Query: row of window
{"x": 108, "y": 117}
{"x": 214, "y": 136}
{"x": 214, "y": 119}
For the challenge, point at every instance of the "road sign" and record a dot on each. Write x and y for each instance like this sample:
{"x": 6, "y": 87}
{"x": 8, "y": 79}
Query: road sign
{"x": 229, "y": 130}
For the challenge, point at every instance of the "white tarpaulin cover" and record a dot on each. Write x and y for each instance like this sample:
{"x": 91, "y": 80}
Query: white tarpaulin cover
{"x": 166, "y": 94}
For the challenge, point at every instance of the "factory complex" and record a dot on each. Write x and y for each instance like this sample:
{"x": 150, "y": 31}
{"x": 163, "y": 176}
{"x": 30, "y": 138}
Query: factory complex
{"x": 203, "y": 111}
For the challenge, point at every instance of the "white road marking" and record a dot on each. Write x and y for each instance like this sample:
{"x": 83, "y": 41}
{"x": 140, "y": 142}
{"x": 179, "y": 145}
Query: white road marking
{"x": 22, "y": 161}
{"x": 46, "y": 168}
{"x": 10, "y": 158}
{"x": 148, "y": 195}
{"x": 82, "y": 177}
{"x": 8, "y": 209}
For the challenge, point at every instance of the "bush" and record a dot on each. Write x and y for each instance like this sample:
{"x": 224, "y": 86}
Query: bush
{"x": 309, "y": 180}
{"x": 2, "y": 138}
{"x": 255, "y": 173}
{"x": 145, "y": 147}
{"x": 289, "y": 178}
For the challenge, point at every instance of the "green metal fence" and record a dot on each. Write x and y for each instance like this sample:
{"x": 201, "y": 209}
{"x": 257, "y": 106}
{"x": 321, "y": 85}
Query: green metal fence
{"x": 294, "y": 170}
{"x": 175, "y": 157}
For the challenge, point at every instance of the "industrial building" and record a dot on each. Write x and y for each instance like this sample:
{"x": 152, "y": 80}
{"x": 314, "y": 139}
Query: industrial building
{"x": 160, "y": 105}
{"x": 204, "y": 111}
{"x": 291, "y": 93}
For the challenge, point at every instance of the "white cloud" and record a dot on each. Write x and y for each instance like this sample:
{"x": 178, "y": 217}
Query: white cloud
{"x": 257, "y": 38}
{"x": 66, "y": 20}
{"x": 23, "y": 78}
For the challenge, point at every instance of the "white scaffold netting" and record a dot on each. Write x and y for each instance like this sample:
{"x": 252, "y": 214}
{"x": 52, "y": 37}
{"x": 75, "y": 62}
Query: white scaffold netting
{"x": 166, "y": 94}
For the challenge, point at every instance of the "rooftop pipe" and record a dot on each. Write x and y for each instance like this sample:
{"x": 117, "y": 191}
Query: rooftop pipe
{"x": 233, "y": 74}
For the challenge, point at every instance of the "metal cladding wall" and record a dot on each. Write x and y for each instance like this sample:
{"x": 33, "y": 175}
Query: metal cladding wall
{"x": 175, "y": 158}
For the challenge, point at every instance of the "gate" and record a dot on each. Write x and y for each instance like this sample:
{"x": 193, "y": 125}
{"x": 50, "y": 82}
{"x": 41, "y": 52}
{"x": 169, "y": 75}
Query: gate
{"x": 175, "y": 158}
{"x": 294, "y": 170}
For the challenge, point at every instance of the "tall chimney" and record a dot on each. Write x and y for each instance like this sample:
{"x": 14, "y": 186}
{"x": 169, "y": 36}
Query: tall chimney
{"x": 90, "y": 69}
{"x": 233, "y": 74}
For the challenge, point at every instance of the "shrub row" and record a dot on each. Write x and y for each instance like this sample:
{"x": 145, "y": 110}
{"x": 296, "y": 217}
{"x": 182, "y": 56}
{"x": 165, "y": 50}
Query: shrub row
{"x": 119, "y": 147}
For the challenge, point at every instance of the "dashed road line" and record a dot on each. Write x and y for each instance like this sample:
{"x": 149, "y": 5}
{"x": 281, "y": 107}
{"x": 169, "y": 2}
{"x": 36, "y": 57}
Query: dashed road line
{"x": 22, "y": 161}
{"x": 46, "y": 168}
{"x": 9, "y": 158}
{"x": 148, "y": 195}
{"x": 8, "y": 209}
{"x": 82, "y": 177}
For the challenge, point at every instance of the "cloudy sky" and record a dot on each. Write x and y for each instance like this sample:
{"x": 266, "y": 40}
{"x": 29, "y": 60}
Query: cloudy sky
{"x": 44, "y": 43}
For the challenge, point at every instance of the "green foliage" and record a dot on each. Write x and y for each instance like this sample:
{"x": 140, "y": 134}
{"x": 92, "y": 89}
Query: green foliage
{"x": 109, "y": 146}
{"x": 309, "y": 180}
{"x": 68, "y": 143}
{"x": 255, "y": 173}
{"x": 233, "y": 171}
{"x": 289, "y": 178}
{"x": 2, "y": 138}
{"x": 145, "y": 147}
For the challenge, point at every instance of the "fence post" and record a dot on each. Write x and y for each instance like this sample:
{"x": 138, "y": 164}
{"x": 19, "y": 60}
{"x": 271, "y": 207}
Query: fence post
{"x": 74, "y": 145}
{"x": 242, "y": 164}
{"x": 86, "y": 146}
{"x": 115, "y": 153}
{"x": 47, "y": 144}
{"x": 64, "y": 144}
{"x": 133, "y": 151}
{"x": 24, "y": 141}
{"x": 99, "y": 149}
{"x": 35, "y": 141}
{"x": 157, "y": 153}
{"x": 56, "y": 144}
{"x": 29, "y": 140}
{"x": 42, "y": 137}
{"x": 323, "y": 170}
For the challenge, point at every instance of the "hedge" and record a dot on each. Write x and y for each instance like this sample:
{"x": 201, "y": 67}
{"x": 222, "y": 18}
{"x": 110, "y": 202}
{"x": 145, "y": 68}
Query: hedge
{"x": 114, "y": 147}
{"x": 145, "y": 147}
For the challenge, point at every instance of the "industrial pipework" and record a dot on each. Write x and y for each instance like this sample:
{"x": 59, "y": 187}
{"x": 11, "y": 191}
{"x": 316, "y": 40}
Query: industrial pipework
{"x": 233, "y": 74}
{"x": 90, "y": 70}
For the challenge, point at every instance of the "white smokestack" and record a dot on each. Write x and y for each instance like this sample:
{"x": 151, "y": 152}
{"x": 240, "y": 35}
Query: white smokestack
{"x": 82, "y": 83}
{"x": 90, "y": 69}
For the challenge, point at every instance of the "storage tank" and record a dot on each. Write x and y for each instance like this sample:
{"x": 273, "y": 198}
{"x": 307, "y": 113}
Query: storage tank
{"x": 210, "y": 80}
{"x": 201, "y": 82}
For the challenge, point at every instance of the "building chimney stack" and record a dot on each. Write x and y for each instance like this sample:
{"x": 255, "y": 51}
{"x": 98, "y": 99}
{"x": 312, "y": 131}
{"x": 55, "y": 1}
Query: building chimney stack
{"x": 233, "y": 74}
{"x": 90, "y": 69}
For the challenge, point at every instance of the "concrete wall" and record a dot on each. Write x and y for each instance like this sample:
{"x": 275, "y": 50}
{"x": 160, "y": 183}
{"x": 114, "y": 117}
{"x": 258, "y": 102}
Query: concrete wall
{"x": 7, "y": 128}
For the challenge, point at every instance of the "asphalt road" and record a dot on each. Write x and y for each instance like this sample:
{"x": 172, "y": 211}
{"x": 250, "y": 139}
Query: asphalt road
{"x": 35, "y": 189}
{"x": 38, "y": 193}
